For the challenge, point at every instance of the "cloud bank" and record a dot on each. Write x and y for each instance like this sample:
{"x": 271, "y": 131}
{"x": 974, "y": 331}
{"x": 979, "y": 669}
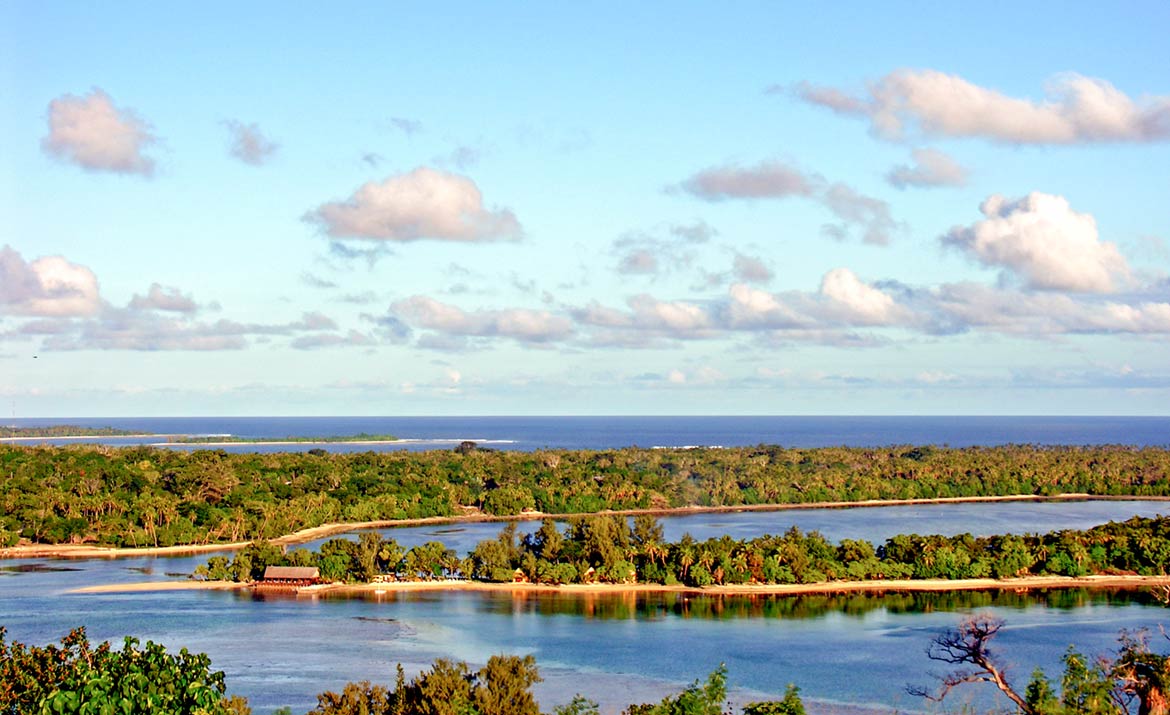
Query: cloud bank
{"x": 1076, "y": 110}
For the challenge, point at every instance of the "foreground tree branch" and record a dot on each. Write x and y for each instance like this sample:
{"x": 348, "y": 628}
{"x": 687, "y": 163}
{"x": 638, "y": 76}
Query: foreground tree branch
{"x": 968, "y": 645}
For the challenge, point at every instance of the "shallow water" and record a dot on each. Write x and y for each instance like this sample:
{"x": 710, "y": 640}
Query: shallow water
{"x": 847, "y": 651}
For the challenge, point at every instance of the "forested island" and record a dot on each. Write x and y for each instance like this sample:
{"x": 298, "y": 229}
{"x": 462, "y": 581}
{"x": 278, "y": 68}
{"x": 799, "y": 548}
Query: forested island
{"x": 233, "y": 439}
{"x": 140, "y": 496}
{"x": 606, "y": 549}
{"x": 60, "y": 431}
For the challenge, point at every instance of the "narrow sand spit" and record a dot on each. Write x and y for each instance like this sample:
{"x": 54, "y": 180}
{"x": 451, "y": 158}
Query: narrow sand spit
{"x": 901, "y": 586}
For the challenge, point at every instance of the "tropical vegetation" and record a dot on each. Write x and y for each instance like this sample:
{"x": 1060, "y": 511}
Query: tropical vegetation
{"x": 143, "y": 496}
{"x": 608, "y": 549}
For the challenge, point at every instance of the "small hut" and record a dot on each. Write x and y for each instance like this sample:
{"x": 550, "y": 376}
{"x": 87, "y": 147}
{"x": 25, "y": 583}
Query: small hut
{"x": 518, "y": 576}
{"x": 290, "y": 576}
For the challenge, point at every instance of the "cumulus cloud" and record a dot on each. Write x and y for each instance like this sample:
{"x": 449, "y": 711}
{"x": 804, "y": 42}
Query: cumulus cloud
{"x": 528, "y": 326}
{"x": 751, "y": 269}
{"x": 164, "y": 298}
{"x": 248, "y": 143}
{"x": 1076, "y": 109}
{"x": 775, "y": 180}
{"x": 930, "y": 168}
{"x": 856, "y": 302}
{"x": 91, "y": 132}
{"x": 47, "y": 286}
{"x": 750, "y": 308}
{"x": 422, "y": 204}
{"x": 766, "y": 180}
{"x": 1043, "y": 242}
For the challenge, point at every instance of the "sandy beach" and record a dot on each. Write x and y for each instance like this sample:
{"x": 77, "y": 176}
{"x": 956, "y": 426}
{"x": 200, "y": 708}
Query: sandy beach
{"x": 879, "y": 586}
{"x": 79, "y": 551}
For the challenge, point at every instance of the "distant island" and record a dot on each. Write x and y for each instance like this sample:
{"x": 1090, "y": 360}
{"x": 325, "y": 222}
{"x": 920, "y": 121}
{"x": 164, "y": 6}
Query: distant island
{"x": 61, "y": 431}
{"x": 233, "y": 439}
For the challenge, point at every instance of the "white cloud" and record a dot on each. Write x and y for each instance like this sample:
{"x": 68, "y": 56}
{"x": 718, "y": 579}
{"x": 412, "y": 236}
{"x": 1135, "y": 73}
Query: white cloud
{"x": 931, "y": 168}
{"x": 47, "y": 286}
{"x": 139, "y": 330}
{"x": 248, "y": 143}
{"x": 423, "y": 204}
{"x": 94, "y": 134}
{"x": 856, "y": 302}
{"x": 164, "y": 298}
{"x": 530, "y": 326}
{"x": 964, "y": 306}
{"x": 766, "y": 180}
{"x": 1076, "y": 109}
{"x": 751, "y": 308}
{"x": 1040, "y": 239}
{"x": 871, "y": 215}
{"x": 775, "y": 180}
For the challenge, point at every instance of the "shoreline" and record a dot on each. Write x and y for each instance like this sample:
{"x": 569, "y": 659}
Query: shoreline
{"x": 1028, "y": 583}
{"x": 81, "y": 551}
{"x": 83, "y": 436}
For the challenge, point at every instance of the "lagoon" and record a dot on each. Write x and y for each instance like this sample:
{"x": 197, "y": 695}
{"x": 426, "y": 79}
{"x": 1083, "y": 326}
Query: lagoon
{"x": 845, "y": 652}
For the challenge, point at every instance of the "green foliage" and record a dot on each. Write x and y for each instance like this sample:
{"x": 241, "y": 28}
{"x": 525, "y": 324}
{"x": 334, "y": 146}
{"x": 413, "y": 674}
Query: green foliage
{"x": 790, "y": 705}
{"x": 79, "y": 679}
{"x": 579, "y": 705}
{"x": 502, "y": 687}
{"x": 1040, "y": 696}
{"x": 604, "y": 549}
{"x": 701, "y": 698}
{"x": 1085, "y": 687}
{"x": 142, "y": 496}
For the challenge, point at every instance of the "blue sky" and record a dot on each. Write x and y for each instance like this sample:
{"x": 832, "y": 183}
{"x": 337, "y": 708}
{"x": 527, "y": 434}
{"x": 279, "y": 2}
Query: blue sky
{"x": 674, "y": 208}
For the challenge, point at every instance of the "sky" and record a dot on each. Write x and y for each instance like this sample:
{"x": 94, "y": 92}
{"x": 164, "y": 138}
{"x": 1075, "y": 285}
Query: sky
{"x": 591, "y": 208}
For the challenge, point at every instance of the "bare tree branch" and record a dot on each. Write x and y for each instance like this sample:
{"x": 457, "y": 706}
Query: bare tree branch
{"x": 968, "y": 644}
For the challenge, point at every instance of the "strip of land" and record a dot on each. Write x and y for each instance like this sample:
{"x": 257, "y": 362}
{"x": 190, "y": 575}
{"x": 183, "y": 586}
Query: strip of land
{"x": 79, "y": 551}
{"x": 128, "y": 435}
{"x": 275, "y": 442}
{"x": 900, "y": 586}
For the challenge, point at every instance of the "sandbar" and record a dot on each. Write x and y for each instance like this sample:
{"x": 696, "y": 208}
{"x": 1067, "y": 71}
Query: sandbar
{"x": 799, "y": 589}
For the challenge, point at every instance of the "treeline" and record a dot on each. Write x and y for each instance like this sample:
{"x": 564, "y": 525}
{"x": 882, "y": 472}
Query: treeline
{"x": 142, "y": 496}
{"x": 606, "y": 549}
{"x": 64, "y": 431}
{"x": 234, "y": 439}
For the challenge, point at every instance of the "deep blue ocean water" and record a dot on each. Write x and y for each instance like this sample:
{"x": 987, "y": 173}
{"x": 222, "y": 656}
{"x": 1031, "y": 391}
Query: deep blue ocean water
{"x": 529, "y": 433}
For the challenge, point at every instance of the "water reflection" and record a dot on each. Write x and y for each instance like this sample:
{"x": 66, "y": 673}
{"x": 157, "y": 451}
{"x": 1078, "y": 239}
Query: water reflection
{"x": 643, "y": 606}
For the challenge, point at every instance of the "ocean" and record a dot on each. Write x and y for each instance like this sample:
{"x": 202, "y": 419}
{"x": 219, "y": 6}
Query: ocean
{"x": 536, "y": 432}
